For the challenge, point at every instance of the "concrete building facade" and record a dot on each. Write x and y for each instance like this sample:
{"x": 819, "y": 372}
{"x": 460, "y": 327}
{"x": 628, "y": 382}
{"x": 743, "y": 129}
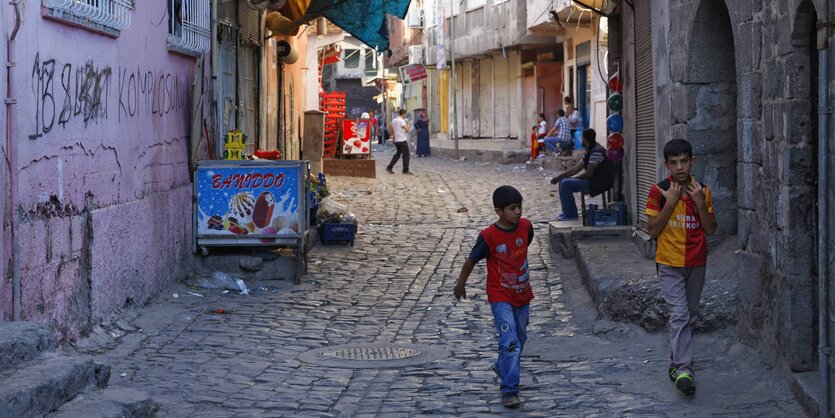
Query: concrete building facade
{"x": 98, "y": 194}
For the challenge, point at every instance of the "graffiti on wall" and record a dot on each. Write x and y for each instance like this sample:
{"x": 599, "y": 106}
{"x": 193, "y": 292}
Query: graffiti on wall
{"x": 146, "y": 93}
{"x": 65, "y": 93}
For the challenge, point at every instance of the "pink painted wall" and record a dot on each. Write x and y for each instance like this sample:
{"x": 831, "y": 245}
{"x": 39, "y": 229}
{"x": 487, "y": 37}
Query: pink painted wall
{"x": 102, "y": 167}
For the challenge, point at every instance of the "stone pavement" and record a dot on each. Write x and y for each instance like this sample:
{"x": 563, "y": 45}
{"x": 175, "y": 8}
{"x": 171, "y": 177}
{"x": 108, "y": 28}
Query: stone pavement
{"x": 395, "y": 286}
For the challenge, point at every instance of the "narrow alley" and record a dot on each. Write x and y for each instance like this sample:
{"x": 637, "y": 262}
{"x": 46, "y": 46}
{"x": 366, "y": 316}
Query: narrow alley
{"x": 395, "y": 286}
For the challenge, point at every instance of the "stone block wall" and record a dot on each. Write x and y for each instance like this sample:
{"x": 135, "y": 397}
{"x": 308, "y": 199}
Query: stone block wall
{"x": 763, "y": 100}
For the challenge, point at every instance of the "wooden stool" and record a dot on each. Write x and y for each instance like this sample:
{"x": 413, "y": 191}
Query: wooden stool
{"x": 584, "y": 207}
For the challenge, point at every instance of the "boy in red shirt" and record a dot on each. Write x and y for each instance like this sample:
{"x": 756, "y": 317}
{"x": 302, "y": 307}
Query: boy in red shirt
{"x": 680, "y": 213}
{"x": 505, "y": 246}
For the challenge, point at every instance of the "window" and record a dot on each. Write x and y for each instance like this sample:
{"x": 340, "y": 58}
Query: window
{"x": 109, "y": 16}
{"x": 351, "y": 58}
{"x": 189, "y": 26}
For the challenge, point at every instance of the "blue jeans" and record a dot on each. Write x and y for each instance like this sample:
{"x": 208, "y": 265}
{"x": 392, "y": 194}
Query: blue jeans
{"x": 511, "y": 324}
{"x": 554, "y": 144}
{"x": 567, "y": 189}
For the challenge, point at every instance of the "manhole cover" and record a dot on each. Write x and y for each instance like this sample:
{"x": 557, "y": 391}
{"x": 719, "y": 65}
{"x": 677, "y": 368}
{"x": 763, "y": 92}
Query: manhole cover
{"x": 372, "y": 356}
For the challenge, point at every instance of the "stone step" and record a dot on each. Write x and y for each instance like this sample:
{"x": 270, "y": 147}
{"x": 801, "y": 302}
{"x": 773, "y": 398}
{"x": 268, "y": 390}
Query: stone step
{"x": 42, "y": 387}
{"x": 21, "y": 342}
{"x": 109, "y": 403}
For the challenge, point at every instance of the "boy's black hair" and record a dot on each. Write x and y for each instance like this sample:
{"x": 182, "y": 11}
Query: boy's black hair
{"x": 561, "y": 112}
{"x": 567, "y": 99}
{"x": 677, "y": 147}
{"x": 505, "y": 196}
{"x": 542, "y": 115}
{"x": 402, "y": 112}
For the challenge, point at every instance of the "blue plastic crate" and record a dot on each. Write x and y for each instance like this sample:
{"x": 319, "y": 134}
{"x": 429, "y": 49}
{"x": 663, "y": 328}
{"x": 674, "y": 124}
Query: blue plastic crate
{"x": 333, "y": 233}
{"x": 606, "y": 217}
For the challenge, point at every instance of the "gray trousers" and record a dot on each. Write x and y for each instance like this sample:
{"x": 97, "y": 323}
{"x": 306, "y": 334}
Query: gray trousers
{"x": 682, "y": 289}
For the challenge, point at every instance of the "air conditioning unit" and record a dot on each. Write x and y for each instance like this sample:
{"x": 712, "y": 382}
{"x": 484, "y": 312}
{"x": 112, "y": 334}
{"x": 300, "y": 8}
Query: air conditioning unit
{"x": 414, "y": 20}
{"x": 415, "y": 54}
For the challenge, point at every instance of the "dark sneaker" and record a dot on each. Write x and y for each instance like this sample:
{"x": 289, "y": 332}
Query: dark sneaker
{"x": 511, "y": 401}
{"x": 390, "y": 171}
{"x": 685, "y": 383}
{"x": 407, "y": 172}
{"x": 672, "y": 373}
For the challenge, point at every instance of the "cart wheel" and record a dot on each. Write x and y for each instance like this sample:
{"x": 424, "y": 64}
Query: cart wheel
{"x": 204, "y": 251}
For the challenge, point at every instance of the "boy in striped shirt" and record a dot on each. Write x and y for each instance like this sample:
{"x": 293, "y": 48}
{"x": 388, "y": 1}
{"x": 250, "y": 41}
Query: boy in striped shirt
{"x": 680, "y": 212}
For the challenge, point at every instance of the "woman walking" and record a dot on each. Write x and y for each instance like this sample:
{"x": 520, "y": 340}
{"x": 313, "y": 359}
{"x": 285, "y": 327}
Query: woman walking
{"x": 422, "y": 127}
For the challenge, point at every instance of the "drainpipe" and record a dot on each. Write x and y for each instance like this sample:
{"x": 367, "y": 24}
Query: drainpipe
{"x": 823, "y": 210}
{"x": 10, "y": 101}
{"x": 493, "y": 90}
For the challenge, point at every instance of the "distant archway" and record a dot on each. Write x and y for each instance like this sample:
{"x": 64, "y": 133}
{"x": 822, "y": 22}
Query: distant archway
{"x": 712, "y": 116}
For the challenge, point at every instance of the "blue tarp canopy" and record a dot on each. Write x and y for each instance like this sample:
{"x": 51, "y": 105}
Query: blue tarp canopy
{"x": 363, "y": 19}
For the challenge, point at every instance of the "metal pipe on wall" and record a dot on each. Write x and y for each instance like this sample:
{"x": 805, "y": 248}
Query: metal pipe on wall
{"x": 10, "y": 101}
{"x": 454, "y": 130}
{"x": 823, "y": 211}
{"x": 493, "y": 91}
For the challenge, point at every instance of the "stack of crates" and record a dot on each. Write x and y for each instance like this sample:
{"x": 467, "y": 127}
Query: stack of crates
{"x": 333, "y": 104}
{"x": 614, "y": 216}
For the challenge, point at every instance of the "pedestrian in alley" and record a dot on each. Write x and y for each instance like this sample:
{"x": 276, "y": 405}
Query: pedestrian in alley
{"x": 680, "y": 214}
{"x": 575, "y": 119}
{"x": 559, "y": 136}
{"x": 422, "y": 127}
{"x": 597, "y": 177}
{"x": 400, "y": 128}
{"x": 505, "y": 246}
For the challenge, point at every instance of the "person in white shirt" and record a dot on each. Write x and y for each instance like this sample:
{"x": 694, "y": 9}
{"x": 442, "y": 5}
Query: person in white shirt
{"x": 400, "y": 127}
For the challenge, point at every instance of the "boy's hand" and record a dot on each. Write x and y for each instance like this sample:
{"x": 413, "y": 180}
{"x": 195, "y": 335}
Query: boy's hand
{"x": 672, "y": 194}
{"x": 555, "y": 180}
{"x": 459, "y": 292}
{"x": 696, "y": 192}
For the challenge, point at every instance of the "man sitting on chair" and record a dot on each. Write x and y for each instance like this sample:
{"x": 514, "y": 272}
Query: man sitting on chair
{"x": 597, "y": 177}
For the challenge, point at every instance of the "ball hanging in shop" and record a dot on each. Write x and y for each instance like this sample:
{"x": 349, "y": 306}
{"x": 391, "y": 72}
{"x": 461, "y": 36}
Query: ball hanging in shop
{"x": 615, "y": 102}
{"x": 615, "y": 123}
{"x": 615, "y": 141}
{"x": 615, "y": 154}
{"x": 614, "y": 83}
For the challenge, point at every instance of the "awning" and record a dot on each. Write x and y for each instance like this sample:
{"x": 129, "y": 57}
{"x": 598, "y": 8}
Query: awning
{"x": 363, "y": 19}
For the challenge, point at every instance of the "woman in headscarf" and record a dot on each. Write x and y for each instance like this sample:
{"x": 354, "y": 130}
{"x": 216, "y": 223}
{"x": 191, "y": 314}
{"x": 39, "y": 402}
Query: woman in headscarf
{"x": 422, "y": 127}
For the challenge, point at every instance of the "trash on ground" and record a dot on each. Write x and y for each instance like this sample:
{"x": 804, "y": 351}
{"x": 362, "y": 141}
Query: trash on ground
{"x": 221, "y": 280}
{"x": 219, "y": 311}
{"x": 462, "y": 210}
{"x": 175, "y": 296}
{"x": 195, "y": 294}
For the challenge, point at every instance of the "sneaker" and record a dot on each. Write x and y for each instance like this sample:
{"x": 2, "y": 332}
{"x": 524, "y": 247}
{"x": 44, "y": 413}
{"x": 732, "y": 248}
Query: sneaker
{"x": 407, "y": 172}
{"x": 511, "y": 400}
{"x": 390, "y": 171}
{"x": 562, "y": 217}
{"x": 685, "y": 383}
{"x": 672, "y": 373}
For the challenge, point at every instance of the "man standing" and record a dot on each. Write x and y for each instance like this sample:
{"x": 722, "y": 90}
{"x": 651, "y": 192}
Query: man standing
{"x": 373, "y": 125}
{"x": 400, "y": 127}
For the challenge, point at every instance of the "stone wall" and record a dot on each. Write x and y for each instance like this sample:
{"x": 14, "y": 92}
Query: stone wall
{"x": 742, "y": 89}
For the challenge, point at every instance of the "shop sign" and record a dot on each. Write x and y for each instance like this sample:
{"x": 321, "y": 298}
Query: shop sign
{"x": 356, "y": 136}
{"x": 411, "y": 73}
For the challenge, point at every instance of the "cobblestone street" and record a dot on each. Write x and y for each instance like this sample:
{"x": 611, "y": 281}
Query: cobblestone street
{"x": 395, "y": 286}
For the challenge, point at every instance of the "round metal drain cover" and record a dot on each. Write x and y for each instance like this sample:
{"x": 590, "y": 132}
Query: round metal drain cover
{"x": 372, "y": 356}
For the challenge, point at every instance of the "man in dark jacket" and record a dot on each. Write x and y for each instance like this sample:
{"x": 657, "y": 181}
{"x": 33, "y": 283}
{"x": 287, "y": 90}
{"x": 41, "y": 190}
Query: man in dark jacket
{"x": 597, "y": 177}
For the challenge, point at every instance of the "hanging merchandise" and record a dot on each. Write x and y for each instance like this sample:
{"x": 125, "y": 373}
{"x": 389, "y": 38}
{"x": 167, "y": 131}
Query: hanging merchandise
{"x": 615, "y": 123}
{"x": 614, "y": 82}
{"x": 615, "y": 141}
{"x": 615, "y": 102}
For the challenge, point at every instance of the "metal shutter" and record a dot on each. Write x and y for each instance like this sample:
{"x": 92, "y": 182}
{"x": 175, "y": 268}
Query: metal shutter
{"x": 646, "y": 156}
{"x": 250, "y": 21}
{"x": 227, "y": 12}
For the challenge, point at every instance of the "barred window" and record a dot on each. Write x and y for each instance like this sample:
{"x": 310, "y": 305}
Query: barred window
{"x": 351, "y": 58}
{"x": 110, "y": 16}
{"x": 189, "y": 26}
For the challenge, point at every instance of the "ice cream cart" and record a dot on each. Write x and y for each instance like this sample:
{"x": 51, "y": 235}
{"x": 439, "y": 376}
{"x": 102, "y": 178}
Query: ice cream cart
{"x": 241, "y": 203}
